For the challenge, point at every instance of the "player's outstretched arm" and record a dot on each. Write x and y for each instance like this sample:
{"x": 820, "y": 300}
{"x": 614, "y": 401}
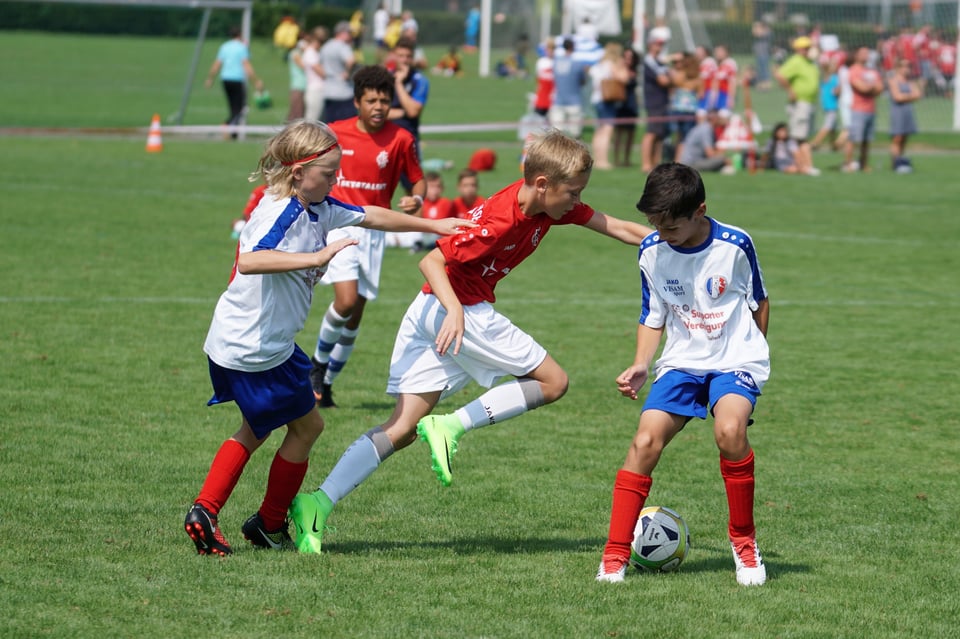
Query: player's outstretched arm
{"x": 381, "y": 219}
{"x": 623, "y": 230}
{"x": 263, "y": 262}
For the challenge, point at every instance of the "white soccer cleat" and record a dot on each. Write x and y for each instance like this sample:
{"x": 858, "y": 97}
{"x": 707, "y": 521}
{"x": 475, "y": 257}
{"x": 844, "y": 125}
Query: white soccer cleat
{"x": 746, "y": 555}
{"x": 612, "y": 570}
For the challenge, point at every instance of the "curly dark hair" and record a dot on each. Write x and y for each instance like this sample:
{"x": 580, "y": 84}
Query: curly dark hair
{"x": 375, "y": 77}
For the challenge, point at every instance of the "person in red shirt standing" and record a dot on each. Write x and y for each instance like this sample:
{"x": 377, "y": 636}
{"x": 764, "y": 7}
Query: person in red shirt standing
{"x": 867, "y": 84}
{"x": 375, "y": 154}
{"x": 435, "y": 207}
{"x": 452, "y": 335}
{"x": 468, "y": 185}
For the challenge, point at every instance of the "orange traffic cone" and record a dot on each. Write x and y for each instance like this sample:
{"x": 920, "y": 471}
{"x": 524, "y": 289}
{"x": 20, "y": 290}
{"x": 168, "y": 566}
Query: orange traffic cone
{"x": 154, "y": 139}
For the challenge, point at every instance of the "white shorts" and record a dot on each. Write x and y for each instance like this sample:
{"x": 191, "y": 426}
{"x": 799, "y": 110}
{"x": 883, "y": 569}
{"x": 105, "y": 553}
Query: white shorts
{"x": 568, "y": 119}
{"x": 492, "y": 347}
{"x": 361, "y": 262}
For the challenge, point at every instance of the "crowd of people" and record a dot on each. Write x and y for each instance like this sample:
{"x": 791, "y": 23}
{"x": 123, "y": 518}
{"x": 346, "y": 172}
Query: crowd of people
{"x": 681, "y": 91}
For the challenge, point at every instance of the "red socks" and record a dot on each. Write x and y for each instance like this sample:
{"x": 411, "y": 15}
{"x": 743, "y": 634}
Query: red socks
{"x": 630, "y": 491}
{"x": 224, "y": 473}
{"x": 282, "y": 486}
{"x": 738, "y": 479}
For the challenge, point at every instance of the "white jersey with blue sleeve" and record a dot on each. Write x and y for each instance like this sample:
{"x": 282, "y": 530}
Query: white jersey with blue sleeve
{"x": 705, "y": 296}
{"x": 258, "y": 317}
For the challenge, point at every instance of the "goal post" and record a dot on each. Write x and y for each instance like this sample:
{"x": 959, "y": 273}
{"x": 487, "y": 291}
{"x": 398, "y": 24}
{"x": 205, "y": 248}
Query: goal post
{"x": 244, "y": 6}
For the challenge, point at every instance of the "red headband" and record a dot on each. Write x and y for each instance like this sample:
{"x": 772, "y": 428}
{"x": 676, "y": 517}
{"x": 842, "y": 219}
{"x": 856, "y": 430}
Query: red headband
{"x": 316, "y": 155}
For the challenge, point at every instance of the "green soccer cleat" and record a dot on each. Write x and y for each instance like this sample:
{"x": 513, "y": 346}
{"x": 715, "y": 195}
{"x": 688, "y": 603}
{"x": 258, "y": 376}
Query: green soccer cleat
{"x": 441, "y": 432}
{"x": 308, "y": 514}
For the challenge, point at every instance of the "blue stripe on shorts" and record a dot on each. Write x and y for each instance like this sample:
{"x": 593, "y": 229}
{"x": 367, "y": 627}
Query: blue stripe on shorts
{"x": 267, "y": 399}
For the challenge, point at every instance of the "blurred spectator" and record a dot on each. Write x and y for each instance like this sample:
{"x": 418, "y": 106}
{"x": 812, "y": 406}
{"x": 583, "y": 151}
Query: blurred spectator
{"x": 409, "y": 23}
{"x": 356, "y": 32}
{"x": 286, "y": 34}
{"x": 903, "y": 123}
{"x": 800, "y": 76}
{"x": 543, "y": 96}
{"x": 234, "y": 68}
{"x": 830, "y": 105}
{"x": 468, "y": 198}
{"x": 867, "y": 84}
{"x": 471, "y": 29}
{"x": 609, "y": 90}
{"x": 762, "y": 36}
{"x": 298, "y": 80}
{"x": 411, "y": 90}
{"x": 313, "y": 96}
{"x": 626, "y": 126}
{"x": 721, "y": 90}
{"x": 780, "y": 152}
{"x": 700, "y": 145}
{"x": 435, "y": 207}
{"x": 656, "y": 100}
{"x": 337, "y": 60}
{"x": 394, "y": 30}
{"x": 569, "y": 75}
{"x": 450, "y": 64}
{"x": 687, "y": 88}
{"x": 381, "y": 20}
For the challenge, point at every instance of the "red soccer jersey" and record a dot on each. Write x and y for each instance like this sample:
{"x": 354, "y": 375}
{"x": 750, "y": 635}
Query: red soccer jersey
{"x": 255, "y": 196}
{"x": 725, "y": 73}
{"x": 480, "y": 257}
{"x": 459, "y": 208}
{"x": 372, "y": 163}
{"x": 437, "y": 209}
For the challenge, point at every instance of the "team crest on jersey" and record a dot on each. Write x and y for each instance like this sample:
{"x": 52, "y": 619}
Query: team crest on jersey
{"x": 536, "y": 238}
{"x": 383, "y": 158}
{"x": 716, "y": 285}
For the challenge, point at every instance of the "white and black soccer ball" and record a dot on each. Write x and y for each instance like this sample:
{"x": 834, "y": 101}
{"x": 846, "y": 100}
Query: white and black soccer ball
{"x": 660, "y": 540}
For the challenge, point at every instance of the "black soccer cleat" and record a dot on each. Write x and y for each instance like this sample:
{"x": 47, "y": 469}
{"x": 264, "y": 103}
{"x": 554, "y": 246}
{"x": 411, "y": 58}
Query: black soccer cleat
{"x": 317, "y": 373}
{"x": 202, "y": 528}
{"x": 325, "y": 400}
{"x": 257, "y": 534}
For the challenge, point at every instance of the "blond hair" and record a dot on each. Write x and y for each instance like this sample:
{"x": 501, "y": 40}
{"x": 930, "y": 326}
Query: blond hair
{"x": 556, "y": 156}
{"x": 298, "y": 140}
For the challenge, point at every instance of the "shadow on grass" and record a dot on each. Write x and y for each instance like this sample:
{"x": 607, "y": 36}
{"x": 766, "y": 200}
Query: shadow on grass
{"x": 469, "y": 546}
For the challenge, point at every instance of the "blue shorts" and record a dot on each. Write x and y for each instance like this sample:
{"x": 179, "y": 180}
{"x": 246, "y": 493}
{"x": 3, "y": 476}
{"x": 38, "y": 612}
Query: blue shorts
{"x": 267, "y": 399}
{"x": 681, "y": 393}
{"x": 606, "y": 110}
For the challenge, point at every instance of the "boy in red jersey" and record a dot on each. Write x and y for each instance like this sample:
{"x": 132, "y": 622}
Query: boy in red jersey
{"x": 451, "y": 334}
{"x": 468, "y": 185}
{"x": 376, "y": 152}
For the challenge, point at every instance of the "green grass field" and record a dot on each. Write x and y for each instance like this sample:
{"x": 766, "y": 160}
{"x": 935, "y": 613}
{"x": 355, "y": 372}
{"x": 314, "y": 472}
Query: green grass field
{"x": 114, "y": 258}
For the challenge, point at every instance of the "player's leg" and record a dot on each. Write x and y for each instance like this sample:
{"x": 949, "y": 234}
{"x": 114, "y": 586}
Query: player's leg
{"x": 731, "y": 413}
{"x": 539, "y": 380}
{"x": 309, "y": 512}
{"x": 342, "y": 349}
{"x": 225, "y": 470}
{"x": 335, "y": 321}
{"x": 632, "y": 486}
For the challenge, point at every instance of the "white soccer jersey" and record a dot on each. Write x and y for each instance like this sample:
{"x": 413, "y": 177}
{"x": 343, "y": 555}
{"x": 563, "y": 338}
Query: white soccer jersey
{"x": 705, "y": 296}
{"x": 258, "y": 316}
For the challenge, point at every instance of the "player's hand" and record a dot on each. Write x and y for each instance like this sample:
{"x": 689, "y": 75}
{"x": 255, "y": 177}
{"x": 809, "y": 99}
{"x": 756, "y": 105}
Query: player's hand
{"x": 453, "y": 225}
{"x": 326, "y": 254}
{"x": 450, "y": 333}
{"x": 409, "y": 204}
{"x": 631, "y": 380}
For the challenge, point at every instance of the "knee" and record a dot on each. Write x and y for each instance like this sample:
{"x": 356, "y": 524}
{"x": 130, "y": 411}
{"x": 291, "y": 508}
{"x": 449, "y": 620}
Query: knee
{"x": 555, "y": 388}
{"x": 731, "y": 438}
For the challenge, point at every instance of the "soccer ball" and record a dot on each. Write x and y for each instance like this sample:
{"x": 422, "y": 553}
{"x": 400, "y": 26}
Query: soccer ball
{"x": 660, "y": 540}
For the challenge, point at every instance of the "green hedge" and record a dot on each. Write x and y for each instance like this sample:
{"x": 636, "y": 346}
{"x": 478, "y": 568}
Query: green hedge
{"x": 437, "y": 27}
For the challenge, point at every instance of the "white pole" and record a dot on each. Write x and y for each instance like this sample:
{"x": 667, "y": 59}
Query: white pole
{"x": 639, "y": 32}
{"x": 485, "y": 22}
{"x": 566, "y": 18}
{"x": 546, "y": 14}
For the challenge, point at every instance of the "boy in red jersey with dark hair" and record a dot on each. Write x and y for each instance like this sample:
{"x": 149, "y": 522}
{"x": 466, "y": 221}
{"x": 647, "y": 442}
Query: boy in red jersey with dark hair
{"x": 451, "y": 334}
{"x": 468, "y": 185}
{"x": 376, "y": 152}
